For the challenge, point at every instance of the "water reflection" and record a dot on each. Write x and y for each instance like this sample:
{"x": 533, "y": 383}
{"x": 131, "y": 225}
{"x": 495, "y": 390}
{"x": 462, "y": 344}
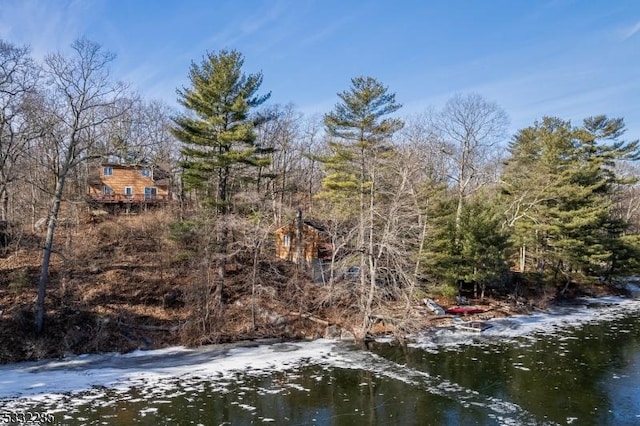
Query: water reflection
{"x": 587, "y": 375}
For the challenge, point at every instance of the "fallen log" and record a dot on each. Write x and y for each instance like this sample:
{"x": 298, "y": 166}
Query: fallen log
{"x": 309, "y": 317}
{"x": 145, "y": 327}
{"x": 383, "y": 318}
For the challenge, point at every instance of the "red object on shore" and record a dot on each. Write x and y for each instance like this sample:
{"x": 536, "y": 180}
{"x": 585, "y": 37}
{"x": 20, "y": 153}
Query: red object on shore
{"x": 464, "y": 310}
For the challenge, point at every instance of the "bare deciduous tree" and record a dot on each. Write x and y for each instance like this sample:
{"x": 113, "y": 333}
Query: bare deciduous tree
{"x": 469, "y": 128}
{"x": 18, "y": 78}
{"x": 294, "y": 174}
{"x": 143, "y": 135}
{"x": 280, "y": 135}
{"x": 82, "y": 99}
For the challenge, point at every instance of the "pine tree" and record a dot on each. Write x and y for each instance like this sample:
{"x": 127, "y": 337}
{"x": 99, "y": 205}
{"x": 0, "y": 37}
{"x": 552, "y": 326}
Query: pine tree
{"x": 361, "y": 129}
{"x": 218, "y": 144}
{"x": 558, "y": 184}
{"x": 477, "y": 253}
{"x": 483, "y": 245}
{"x": 218, "y": 132}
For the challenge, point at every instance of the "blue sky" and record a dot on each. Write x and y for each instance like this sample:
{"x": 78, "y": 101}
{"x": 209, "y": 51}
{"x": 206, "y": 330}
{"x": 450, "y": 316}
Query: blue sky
{"x": 564, "y": 58}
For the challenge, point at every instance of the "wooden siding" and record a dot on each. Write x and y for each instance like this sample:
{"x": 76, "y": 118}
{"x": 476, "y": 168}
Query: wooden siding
{"x": 316, "y": 243}
{"x": 121, "y": 178}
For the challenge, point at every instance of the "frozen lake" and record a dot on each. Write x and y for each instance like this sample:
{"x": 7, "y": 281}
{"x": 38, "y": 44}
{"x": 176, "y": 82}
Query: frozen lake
{"x": 572, "y": 365}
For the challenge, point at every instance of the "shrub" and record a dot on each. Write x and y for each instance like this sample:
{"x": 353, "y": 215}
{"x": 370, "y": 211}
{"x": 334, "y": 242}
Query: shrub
{"x": 184, "y": 232}
{"x": 448, "y": 290}
{"x": 19, "y": 280}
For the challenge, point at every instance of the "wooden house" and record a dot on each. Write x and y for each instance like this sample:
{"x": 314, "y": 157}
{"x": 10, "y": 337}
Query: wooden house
{"x": 312, "y": 239}
{"x": 127, "y": 184}
{"x": 316, "y": 242}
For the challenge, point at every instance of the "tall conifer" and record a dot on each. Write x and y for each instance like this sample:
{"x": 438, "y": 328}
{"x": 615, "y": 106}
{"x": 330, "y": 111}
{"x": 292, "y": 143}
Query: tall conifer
{"x": 218, "y": 136}
{"x": 218, "y": 130}
{"x": 559, "y": 183}
{"x": 360, "y": 128}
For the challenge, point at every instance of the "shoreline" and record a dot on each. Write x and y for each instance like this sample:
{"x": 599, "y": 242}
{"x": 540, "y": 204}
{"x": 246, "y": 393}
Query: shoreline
{"x": 429, "y": 323}
{"x": 79, "y": 373}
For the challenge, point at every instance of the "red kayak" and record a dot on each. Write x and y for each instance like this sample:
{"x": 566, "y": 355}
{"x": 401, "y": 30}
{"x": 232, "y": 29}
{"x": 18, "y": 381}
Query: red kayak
{"x": 464, "y": 310}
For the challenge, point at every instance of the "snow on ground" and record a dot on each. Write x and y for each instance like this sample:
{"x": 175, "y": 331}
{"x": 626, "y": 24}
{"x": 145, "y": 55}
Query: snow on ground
{"x": 523, "y": 327}
{"x": 78, "y": 373}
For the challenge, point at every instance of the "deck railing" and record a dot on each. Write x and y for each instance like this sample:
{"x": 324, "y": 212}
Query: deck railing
{"x": 134, "y": 198}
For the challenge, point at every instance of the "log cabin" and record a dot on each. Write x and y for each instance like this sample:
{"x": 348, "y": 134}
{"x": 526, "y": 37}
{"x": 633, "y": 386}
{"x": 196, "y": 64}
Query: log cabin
{"x": 316, "y": 248}
{"x": 316, "y": 242}
{"x": 128, "y": 184}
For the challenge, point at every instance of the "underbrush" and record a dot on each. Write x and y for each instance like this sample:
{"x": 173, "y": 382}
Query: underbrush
{"x": 141, "y": 281}
{"x": 153, "y": 279}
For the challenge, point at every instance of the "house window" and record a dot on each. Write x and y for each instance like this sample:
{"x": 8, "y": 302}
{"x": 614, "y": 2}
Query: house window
{"x": 150, "y": 193}
{"x": 287, "y": 240}
{"x": 107, "y": 171}
{"x": 106, "y": 190}
{"x": 145, "y": 172}
{"x": 128, "y": 191}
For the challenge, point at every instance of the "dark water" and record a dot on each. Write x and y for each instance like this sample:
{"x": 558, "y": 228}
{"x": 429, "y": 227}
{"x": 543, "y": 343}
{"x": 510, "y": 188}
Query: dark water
{"x": 587, "y": 376}
{"x": 583, "y": 374}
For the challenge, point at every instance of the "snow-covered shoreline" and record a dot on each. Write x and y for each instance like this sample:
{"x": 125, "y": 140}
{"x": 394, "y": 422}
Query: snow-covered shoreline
{"x": 51, "y": 379}
{"x": 558, "y": 317}
{"x": 43, "y": 379}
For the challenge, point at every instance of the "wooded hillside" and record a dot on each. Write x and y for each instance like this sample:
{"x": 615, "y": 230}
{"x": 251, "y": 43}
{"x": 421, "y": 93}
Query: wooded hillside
{"x": 413, "y": 206}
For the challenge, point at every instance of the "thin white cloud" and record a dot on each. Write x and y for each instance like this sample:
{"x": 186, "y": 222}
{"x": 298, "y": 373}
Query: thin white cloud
{"x": 44, "y": 25}
{"x": 631, "y": 31}
{"x": 263, "y": 18}
{"x": 326, "y": 31}
{"x": 241, "y": 29}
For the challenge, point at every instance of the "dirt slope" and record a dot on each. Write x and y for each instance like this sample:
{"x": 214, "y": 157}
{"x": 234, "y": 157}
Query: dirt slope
{"x": 123, "y": 284}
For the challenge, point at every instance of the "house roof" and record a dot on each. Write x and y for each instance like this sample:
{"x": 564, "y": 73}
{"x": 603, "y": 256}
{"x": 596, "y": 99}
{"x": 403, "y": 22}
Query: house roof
{"x": 126, "y": 165}
{"x": 312, "y": 223}
{"x": 315, "y": 224}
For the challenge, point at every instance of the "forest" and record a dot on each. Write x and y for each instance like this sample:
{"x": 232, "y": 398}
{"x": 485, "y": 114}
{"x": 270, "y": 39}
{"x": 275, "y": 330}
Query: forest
{"x": 422, "y": 205}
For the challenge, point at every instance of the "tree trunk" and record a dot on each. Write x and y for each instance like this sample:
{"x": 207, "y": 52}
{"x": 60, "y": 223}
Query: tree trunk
{"x": 217, "y": 295}
{"x": 423, "y": 237}
{"x": 221, "y": 263}
{"x": 368, "y": 311}
{"x": 254, "y": 276}
{"x": 48, "y": 246}
{"x": 311, "y": 180}
{"x": 458, "y": 219}
{"x": 283, "y": 188}
{"x": 362, "y": 224}
{"x": 33, "y": 206}
{"x": 300, "y": 260}
{"x": 366, "y": 324}
{"x": 332, "y": 267}
{"x": 222, "y": 237}
{"x": 4, "y": 202}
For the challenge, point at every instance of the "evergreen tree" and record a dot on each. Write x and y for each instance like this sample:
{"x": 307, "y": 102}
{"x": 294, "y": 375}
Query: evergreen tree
{"x": 477, "y": 253}
{"x": 360, "y": 132}
{"x": 440, "y": 256}
{"x": 483, "y": 245}
{"x": 218, "y": 145}
{"x": 218, "y": 132}
{"x": 360, "y": 129}
{"x": 559, "y": 182}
